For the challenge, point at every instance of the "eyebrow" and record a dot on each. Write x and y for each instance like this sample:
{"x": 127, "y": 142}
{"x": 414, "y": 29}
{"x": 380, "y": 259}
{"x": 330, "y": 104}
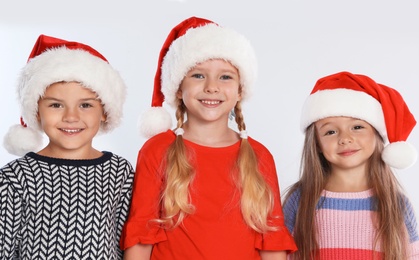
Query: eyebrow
{"x": 323, "y": 125}
{"x": 199, "y": 68}
{"x": 83, "y": 99}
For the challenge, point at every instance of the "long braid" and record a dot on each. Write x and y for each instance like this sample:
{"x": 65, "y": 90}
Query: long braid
{"x": 256, "y": 195}
{"x": 179, "y": 175}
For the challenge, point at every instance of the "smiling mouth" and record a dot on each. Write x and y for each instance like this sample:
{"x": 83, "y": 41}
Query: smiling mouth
{"x": 211, "y": 102}
{"x": 71, "y": 131}
{"x": 347, "y": 153}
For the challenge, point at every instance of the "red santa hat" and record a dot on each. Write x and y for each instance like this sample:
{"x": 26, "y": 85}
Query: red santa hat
{"x": 358, "y": 96}
{"x": 55, "y": 60}
{"x": 192, "y": 41}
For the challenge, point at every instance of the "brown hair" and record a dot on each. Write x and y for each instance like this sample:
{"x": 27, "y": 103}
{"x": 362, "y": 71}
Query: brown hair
{"x": 390, "y": 201}
{"x": 256, "y": 201}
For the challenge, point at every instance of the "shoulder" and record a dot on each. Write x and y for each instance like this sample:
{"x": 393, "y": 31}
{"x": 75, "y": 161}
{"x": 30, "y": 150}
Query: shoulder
{"x": 162, "y": 139}
{"x": 293, "y": 196}
{"x": 117, "y": 157}
{"x": 122, "y": 161}
{"x": 409, "y": 210}
{"x": 16, "y": 165}
{"x": 155, "y": 148}
{"x": 259, "y": 148}
{"x": 15, "y": 172}
{"x": 158, "y": 142}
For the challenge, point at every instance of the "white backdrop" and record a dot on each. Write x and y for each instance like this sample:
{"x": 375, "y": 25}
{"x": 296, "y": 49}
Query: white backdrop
{"x": 297, "y": 42}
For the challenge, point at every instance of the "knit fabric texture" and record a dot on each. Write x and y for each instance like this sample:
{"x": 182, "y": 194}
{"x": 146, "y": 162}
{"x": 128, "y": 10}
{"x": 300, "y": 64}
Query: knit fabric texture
{"x": 345, "y": 225}
{"x": 63, "y": 209}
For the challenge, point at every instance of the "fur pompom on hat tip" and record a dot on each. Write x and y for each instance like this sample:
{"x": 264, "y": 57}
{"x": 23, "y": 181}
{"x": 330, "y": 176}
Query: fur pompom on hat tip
{"x": 400, "y": 155}
{"x": 193, "y": 41}
{"x": 359, "y": 96}
{"x": 55, "y": 60}
{"x": 154, "y": 121}
{"x": 19, "y": 140}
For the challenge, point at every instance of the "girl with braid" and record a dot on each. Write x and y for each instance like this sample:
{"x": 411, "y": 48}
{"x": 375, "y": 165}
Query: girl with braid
{"x": 203, "y": 190}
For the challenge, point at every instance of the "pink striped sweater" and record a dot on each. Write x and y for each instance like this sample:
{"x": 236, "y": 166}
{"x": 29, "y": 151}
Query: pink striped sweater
{"x": 345, "y": 225}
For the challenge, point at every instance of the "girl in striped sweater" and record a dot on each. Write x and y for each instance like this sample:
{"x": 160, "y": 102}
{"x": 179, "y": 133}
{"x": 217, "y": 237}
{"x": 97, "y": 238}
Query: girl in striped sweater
{"x": 348, "y": 203}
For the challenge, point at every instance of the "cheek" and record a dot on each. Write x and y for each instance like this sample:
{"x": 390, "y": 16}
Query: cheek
{"x": 40, "y": 116}
{"x": 324, "y": 145}
{"x": 234, "y": 92}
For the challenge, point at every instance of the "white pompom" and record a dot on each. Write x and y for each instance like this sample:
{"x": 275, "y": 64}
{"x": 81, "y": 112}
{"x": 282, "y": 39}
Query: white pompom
{"x": 400, "y": 155}
{"x": 20, "y": 140}
{"x": 154, "y": 121}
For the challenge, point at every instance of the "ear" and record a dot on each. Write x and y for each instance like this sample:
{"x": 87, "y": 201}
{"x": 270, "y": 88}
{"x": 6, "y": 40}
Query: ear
{"x": 239, "y": 96}
{"x": 104, "y": 117}
{"x": 179, "y": 93}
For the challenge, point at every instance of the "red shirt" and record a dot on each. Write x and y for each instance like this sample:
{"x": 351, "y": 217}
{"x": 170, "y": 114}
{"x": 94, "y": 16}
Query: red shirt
{"x": 216, "y": 230}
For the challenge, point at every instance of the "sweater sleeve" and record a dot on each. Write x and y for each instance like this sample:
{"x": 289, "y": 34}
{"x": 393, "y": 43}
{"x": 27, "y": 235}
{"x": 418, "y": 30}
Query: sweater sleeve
{"x": 125, "y": 199}
{"x": 412, "y": 229}
{"x": 280, "y": 240}
{"x": 139, "y": 228}
{"x": 10, "y": 216}
{"x": 290, "y": 210}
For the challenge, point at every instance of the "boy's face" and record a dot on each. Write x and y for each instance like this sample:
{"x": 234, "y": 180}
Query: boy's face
{"x": 70, "y": 115}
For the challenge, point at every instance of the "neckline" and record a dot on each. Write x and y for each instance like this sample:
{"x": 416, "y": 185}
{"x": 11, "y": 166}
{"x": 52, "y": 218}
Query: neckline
{"x": 356, "y": 194}
{"x": 199, "y": 146}
{"x": 71, "y": 162}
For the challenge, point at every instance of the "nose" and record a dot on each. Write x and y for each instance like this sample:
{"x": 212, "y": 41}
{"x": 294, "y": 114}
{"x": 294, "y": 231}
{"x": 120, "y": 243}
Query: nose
{"x": 345, "y": 138}
{"x": 211, "y": 86}
{"x": 70, "y": 115}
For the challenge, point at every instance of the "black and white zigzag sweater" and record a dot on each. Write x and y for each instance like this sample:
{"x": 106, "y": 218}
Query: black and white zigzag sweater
{"x": 64, "y": 209}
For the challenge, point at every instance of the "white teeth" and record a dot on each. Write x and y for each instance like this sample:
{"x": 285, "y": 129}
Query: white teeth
{"x": 211, "y": 102}
{"x": 71, "y": 130}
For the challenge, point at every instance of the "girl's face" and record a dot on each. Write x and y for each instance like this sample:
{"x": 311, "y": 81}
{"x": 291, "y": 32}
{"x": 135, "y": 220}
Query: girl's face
{"x": 210, "y": 91}
{"x": 70, "y": 115}
{"x": 347, "y": 143}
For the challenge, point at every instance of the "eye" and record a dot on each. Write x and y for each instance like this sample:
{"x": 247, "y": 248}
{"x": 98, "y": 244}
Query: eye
{"x": 226, "y": 77}
{"x": 330, "y": 132}
{"x": 55, "y": 105}
{"x": 197, "y": 75}
{"x": 86, "y": 105}
{"x": 358, "y": 127}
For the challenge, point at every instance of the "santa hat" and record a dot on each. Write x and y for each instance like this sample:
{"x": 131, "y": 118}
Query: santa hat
{"x": 358, "y": 96}
{"x": 192, "y": 41}
{"x": 54, "y": 60}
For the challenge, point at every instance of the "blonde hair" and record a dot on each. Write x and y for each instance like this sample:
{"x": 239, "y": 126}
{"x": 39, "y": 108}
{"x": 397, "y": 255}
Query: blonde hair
{"x": 390, "y": 201}
{"x": 256, "y": 200}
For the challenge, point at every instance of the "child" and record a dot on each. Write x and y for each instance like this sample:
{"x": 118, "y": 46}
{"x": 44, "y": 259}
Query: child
{"x": 203, "y": 191}
{"x": 348, "y": 203}
{"x": 68, "y": 200}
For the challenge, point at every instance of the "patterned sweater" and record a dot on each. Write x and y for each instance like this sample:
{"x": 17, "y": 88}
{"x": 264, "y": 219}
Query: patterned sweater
{"x": 63, "y": 209}
{"x": 345, "y": 225}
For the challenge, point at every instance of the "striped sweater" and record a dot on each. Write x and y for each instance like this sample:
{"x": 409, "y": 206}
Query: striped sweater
{"x": 345, "y": 225}
{"x": 63, "y": 209}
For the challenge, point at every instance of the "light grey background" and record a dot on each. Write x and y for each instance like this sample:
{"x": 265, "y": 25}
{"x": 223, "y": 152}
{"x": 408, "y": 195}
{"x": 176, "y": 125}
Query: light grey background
{"x": 296, "y": 42}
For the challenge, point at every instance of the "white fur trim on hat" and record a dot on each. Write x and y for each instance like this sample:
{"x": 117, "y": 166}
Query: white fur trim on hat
{"x": 62, "y": 64}
{"x": 203, "y": 43}
{"x": 343, "y": 102}
{"x": 19, "y": 140}
{"x": 58, "y": 65}
{"x": 400, "y": 155}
